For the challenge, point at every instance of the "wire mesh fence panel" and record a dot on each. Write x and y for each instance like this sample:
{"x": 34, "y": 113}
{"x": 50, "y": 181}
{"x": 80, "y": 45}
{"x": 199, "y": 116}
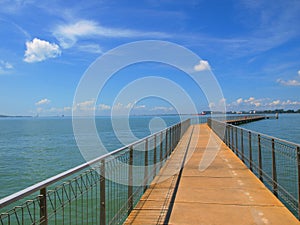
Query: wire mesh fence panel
{"x": 276, "y": 162}
{"x": 287, "y": 174}
{"x": 102, "y": 191}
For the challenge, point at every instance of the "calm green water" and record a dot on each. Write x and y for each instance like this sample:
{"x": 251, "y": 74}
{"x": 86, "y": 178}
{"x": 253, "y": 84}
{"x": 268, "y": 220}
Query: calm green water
{"x": 33, "y": 149}
{"x": 287, "y": 127}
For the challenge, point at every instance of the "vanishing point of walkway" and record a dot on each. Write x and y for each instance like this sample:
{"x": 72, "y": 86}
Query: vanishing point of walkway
{"x": 225, "y": 193}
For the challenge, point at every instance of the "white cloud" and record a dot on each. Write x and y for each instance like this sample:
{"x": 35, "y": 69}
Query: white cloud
{"x": 118, "y": 106}
{"x": 288, "y": 82}
{"x": 275, "y": 103}
{"x": 54, "y": 110}
{"x": 251, "y": 99}
{"x": 68, "y": 34}
{"x": 203, "y": 65}
{"x": 222, "y": 101}
{"x": 162, "y": 108}
{"x": 239, "y": 101}
{"x": 250, "y": 102}
{"x": 104, "y": 107}
{"x": 39, "y": 50}
{"x": 140, "y": 106}
{"x": 91, "y": 48}
{"x": 131, "y": 105}
{"x": 263, "y": 103}
{"x": 211, "y": 105}
{"x": 5, "y": 67}
{"x": 67, "y": 108}
{"x": 289, "y": 102}
{"x": 88, "y": 105}
{"x": 257, "y": 104}
{"x": 43, "y": 102}
{"x": 298, "y": 72}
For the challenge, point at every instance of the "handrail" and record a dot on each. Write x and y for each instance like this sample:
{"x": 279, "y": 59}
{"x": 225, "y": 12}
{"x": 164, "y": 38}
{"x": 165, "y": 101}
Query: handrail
{"x": 265, "y": 135}
{"x": 36, "y": 187}
{"x": 276, "y": 162}
{"x": 93, "y": 181}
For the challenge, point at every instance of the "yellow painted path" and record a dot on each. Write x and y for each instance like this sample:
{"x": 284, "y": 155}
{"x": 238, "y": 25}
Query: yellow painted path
{"x": 225, "y": 193}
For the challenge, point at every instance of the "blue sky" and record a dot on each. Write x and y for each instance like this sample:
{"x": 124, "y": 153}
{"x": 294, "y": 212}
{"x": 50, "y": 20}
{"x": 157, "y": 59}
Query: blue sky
{"x": 252, "y": 47}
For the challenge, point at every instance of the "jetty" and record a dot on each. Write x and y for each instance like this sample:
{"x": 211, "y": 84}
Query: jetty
{"x": 209, "y": 173}
{"x": 227, "y": 192}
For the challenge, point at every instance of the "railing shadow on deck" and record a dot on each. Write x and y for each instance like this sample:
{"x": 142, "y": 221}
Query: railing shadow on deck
{"x": 102, "y": 191}
{"x": 274, "y": 161}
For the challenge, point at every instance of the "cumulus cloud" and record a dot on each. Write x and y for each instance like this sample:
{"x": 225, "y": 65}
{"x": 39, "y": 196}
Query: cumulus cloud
{"x": 140, "y": 107}
{"x": 211, "y": 105}
{"x": 263, "y": 103}
{"x": 39, "y": 50}
{"x": 68, "y": 34}
{"x": 104, "y": 107}
{"x": 275, "y": 103}
{"x": 289, "y": 102}
{"x": 289, "y": 82}
{"x": 162, "y": 108}
{"x": 44, "y": 101}
{"x": 5, "y": 67}
{"x": 91, "y": 48}
{"x": 239, "y": 101}
{"x": 131, "y": 105}
{"x": 203, "y": 65}
{"x": 298, "y": 72}
{"x": 54, "y": 110}
{"x": 88, "y": 105}
{"x": 251, "y": 101}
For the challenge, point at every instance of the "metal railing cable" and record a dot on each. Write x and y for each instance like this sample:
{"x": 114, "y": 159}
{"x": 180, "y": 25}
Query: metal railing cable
{"x": 101, "y": 191}
{"x": 274, "y": 161}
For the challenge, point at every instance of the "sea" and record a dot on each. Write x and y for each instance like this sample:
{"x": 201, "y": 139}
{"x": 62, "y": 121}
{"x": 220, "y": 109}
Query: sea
{"x": 34, "y": 149}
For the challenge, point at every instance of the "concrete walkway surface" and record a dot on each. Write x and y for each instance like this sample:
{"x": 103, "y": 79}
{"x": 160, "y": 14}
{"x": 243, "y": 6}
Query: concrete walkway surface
{"x": 225, "y": 193}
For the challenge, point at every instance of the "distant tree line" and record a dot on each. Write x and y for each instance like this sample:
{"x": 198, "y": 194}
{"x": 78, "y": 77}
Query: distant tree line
{"x": 279, "y": 111}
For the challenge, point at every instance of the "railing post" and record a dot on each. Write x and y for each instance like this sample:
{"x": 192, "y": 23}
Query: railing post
{"x": 259, "y": 159}
{"x": 274, "y": 171}
{"x": 102, "y": 193}
{"x": 43, "y": 207}
{"x": 232, "y": 139}
{"x": 225, "y": 134}
{"x": 236, "y": 142}
{"x": 228, "y": 133}
{"x": 161, "y": 149}
{"x": 176, "y": 135}
{"x": 130, "y": 180}
{"x": 298, "y": 162}
{"x": 166, "y": 146}
{"x": 170, "y": 142}
{"x": 154, "y": 157}
{"x": 242, "y": 145}
{"x": 250, "y": 150}
{"x": 171, "y": 139}
{"x": 146, "y": 166}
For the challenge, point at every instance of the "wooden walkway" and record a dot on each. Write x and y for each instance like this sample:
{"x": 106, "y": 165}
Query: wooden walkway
{"x": 224, "y": 193}
{"x": 246, "y": 119}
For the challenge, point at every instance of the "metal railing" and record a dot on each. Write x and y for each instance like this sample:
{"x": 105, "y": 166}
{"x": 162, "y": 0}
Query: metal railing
{"x": 274, "y": 161}
{"x": 102, "y": 191}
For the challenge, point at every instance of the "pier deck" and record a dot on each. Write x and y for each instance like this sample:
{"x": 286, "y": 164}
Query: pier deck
{"x": 246, "y": 119}
{"x": 225, "y": 193}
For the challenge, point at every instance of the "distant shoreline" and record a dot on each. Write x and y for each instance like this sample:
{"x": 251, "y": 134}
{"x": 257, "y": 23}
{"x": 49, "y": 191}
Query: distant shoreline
{"x": 4, "y": 116}
{"x": 204, "y": 113}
